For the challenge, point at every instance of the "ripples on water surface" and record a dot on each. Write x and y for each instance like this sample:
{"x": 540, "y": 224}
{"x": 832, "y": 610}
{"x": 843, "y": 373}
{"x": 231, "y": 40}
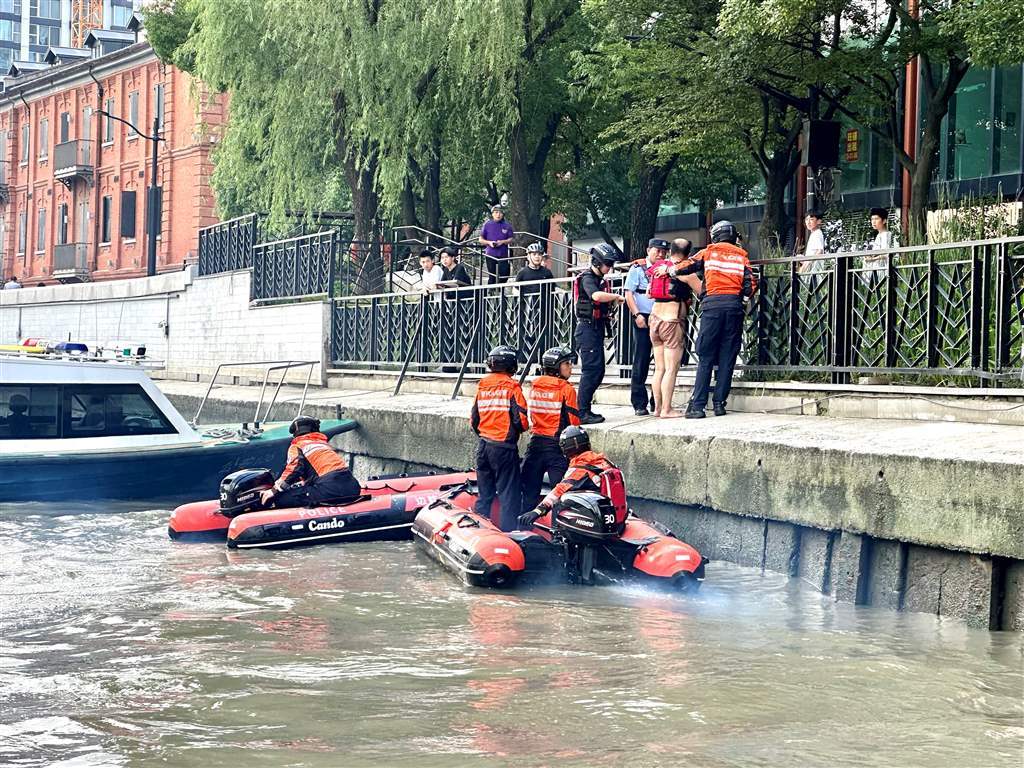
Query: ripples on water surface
{"x": 122, "y": 648}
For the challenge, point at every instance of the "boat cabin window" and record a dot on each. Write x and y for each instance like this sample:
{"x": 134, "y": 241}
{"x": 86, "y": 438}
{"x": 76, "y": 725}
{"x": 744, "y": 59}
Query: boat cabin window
{"x": 28, "y": 411}
{"x": 109, "y": 410}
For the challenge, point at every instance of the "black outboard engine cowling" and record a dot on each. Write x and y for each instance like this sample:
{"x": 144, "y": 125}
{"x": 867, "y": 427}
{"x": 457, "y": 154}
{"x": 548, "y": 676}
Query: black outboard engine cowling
{"x": 585, "y": 518}
{"x": 240, "y": 491}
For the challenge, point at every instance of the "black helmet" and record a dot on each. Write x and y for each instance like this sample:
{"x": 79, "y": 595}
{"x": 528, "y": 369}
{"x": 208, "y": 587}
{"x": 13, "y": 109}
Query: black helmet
{"x": 603, "y": 255}
{"x": 552, "y": 359}
{"x": 573, "y": 441}
{"x": 502, "y": 359}
{"x": 303, "y": 425}
{"x": 724, "y": 232}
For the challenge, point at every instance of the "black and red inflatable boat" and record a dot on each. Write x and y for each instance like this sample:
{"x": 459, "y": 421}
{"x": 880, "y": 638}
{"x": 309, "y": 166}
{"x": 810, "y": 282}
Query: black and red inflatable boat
{"x": 206, "y": 521}
{"x": 564, "y": 549}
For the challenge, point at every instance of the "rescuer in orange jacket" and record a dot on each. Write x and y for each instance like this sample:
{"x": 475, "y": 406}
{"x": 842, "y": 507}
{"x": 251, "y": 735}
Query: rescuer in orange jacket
{"x": 583, "y": 473}
{"x": 552, "y": 404}
{"x": 314, "y": 473}
{"x": 728, "y": 285}
{"x": 499, "y": 418}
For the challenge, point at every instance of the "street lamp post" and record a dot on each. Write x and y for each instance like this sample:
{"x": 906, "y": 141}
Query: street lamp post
{"x": 152, "y": 192}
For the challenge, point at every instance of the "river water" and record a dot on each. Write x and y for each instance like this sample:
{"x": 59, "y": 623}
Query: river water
{"x": 120, "y": 647}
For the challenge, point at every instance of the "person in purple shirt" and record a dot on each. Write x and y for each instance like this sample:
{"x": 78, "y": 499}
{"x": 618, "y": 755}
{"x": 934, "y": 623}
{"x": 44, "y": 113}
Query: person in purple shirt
{"x": 496, "y": 235}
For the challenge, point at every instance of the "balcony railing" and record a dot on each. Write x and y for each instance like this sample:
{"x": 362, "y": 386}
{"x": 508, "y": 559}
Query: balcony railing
{"x": 71, "y": 262}
{"x": 73, "y": 160}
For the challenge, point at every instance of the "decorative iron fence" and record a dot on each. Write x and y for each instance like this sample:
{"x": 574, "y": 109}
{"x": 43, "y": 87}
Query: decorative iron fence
{"x": 951, "y": 310}
{"x": 229, "y": 245}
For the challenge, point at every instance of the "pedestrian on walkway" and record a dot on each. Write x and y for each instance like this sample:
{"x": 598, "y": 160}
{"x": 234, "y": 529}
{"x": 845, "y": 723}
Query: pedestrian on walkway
{"x": 496, "y": 236}
{"x": 431, "y": 272}
{"x": 883, "y": 241}
{"x": 640, "y": 305}
{"x": 453, "y": 270}
{"x": 499, "y": 417}
{"x": 534, "y": 269}
{"x": 672, "y": 296}
{"x": 594, "y": 303}
{"x": 815, "y": 246}
{"x": 728, "y": 284}
{"x": 12, "y": 283}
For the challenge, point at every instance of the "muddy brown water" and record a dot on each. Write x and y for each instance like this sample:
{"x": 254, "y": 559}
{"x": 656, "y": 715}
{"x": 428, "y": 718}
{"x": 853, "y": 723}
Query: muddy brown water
{"x": 121, "y": 648}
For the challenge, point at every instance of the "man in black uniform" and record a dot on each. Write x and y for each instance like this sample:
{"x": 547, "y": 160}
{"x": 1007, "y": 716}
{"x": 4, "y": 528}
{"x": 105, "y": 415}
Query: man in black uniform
{"x": 594, "y": 302}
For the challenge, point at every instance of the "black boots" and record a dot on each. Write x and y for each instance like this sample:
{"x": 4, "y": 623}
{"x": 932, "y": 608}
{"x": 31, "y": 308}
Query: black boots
{"x": 719, "y": 409}
{"x": 693, "y": 412}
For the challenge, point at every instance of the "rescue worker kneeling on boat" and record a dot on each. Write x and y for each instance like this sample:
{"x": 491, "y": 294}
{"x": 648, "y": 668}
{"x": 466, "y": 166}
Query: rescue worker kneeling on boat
{"x": 584, "y": 472}
{"x": 314, "y": 474}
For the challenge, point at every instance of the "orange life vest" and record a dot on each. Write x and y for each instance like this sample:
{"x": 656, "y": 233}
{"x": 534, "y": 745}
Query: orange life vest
{"x": 553, "y": 407}
{"x": 311, "y": 449}
{"x": 499, "y": 409}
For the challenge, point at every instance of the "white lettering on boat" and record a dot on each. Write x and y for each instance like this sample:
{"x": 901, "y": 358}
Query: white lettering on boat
{"x": 326, "y": 525}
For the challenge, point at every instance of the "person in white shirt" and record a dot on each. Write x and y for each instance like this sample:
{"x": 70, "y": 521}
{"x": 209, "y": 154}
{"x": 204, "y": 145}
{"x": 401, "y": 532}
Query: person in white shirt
{"x": 815, "y": 245}
{"x": 431, "y": 271}
{"x": 11, "y": 284}
{"x": 883, "y": 241}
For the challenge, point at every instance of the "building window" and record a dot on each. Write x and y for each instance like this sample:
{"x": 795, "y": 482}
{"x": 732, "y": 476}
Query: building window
{"x": 22, "y": 230}
{"x": 86, "y": 132}
{"x": 128, "y": 214}
{"x": 43, "y": 34}
{"x": 121, "y": 15}
{"x": 62, "y": 224}
{"x": 133, "y": 112}
{"x": 1007, "y": 120}
{"x": 65, "y": 126}
{"x": 10, "y": 30}
{"x": 6, "y": 57}
{"x": 105, "y": 214}
{"x": 25, "y": 139}
{"x": 44, "y": 139}
{"x": 158, "y": 94}
{"x": 47, "y": 9}
{"x": 41, "y": 230}
{"x": 108, "y": 124}
{"x": 10, "y": 6}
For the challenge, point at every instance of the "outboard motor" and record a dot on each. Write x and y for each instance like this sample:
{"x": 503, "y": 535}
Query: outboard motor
{"x": 586, "y": 517}
{"x": 240, "y": 491}
{"x": 583, "y": 521}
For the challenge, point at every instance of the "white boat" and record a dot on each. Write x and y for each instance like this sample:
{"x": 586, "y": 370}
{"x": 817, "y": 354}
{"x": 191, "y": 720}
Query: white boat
{"x": 84, "y": 430}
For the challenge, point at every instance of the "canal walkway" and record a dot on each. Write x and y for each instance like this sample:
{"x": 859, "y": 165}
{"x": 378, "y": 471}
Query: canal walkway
{"x": 915, "y": 515}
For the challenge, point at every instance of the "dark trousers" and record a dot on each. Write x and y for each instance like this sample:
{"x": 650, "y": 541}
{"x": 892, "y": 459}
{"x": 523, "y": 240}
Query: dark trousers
{"x": 498, "y": 270}
{"x": 333, "y": 488}
{"x": 718, "y": 343}
{"x": 642, "y": 354}
{"x": 590, "y": 345}
{"x": 542, "y": 455}
{"x": 497, "y": 476}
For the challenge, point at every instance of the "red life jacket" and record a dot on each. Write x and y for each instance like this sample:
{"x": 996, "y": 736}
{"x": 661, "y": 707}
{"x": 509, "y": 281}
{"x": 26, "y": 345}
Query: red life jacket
{"x": 659, "y": 288}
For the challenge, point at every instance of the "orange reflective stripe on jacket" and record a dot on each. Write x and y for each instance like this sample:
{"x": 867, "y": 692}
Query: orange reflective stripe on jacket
{"x": 552, "y": 404}
{"x": 580, "y": 469}
{"x": 725, "y": 269}
{"x": 499, "y": 410}
{"x": 314, "y": 450}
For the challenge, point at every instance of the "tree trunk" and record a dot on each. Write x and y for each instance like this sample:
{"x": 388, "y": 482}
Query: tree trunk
{"x": 526, "y": 185}
{"x": 408, "y": 207}
{"x": 432, "y": 193}
{"x": 643, "y": 220}
{"x": 366, "y": 251}
{"x": 774, "y": 228}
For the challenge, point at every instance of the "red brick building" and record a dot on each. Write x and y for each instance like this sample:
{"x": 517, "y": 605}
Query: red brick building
{"x": 73, "y": 184}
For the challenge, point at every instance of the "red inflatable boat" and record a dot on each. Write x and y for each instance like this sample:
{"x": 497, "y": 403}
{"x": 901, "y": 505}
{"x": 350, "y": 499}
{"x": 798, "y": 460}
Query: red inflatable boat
{"x": 482, "y": 555}
{"x": 207, "y": 521}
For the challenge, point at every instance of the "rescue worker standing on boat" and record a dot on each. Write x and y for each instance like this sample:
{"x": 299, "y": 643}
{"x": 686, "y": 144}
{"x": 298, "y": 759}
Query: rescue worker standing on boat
{"x": 552, "y": 404}
{"x": 585, "y": 466}
{"x": 314, "y": 474}
{"x": 499, "y": 417}
{"x": 728, "y": 285}
{"x": 594, "y": 303}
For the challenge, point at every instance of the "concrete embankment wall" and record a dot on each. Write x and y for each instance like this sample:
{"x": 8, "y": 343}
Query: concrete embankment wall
{"x": 917, "y": 517}
{"x": 192, "y": 323}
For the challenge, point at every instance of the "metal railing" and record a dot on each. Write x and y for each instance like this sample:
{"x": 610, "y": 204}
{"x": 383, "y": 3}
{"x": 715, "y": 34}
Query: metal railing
{"x": 272, "y": 365}
{"x": 229, "y": 245}
{"x": 950, "y": 310}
